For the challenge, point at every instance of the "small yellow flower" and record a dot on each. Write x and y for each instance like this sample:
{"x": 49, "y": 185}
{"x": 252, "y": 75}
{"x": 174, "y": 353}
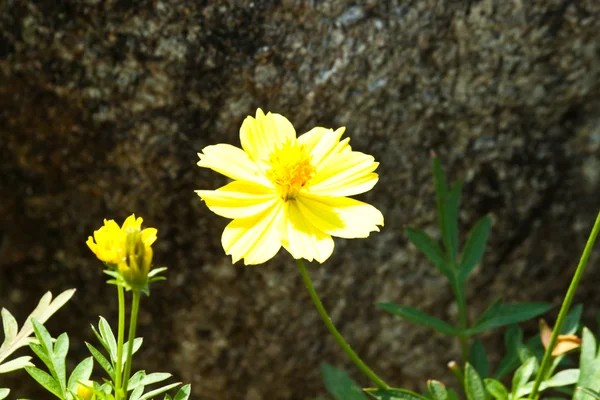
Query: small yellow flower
{"x": 135, "y": 266}
{"x": 83, "y": 393}
{"x": 289, "y": 191}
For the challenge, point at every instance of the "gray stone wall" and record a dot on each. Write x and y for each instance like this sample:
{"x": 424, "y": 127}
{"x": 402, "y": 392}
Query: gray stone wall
{"x": 104, "y": 105}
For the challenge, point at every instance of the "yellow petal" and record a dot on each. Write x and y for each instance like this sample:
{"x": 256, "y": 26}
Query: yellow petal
{"x": 261, "y": 135}
{"x": 345, "y": 174}
{"x": 321, "y": 142}
{"x": 303, "y": 240}
{"x": 255, "y": 239}
{"x": 232, "y": 162}
{"x": 239, "y": 199}
{"x": 149, "y": 236}
{"x": 340, "y": 216}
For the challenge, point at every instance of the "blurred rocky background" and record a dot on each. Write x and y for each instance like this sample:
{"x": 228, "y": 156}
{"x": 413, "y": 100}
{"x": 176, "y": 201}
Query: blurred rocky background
{"x": 104, "y": 105}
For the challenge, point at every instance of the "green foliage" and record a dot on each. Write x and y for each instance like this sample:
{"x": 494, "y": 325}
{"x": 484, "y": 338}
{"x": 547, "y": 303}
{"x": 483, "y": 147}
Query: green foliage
{"x": 478, "y": 359}
{"x": 589, "y": 363}
{"x": 499, "y": 314}
{"x": 420, "y": 318}
{"x": 340, "y": 385}
{"x": 394, "y": 394}
{"x": 474, "y": 387}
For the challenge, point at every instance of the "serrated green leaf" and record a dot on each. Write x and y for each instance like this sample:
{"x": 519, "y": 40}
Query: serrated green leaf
{"x": 4, "y": 393}
{"x": 478, "y": 359}
{"x": 158, "y": 391}
{"x": 41, "y": 353}
{"x": 82, "y": 372}
{"x": 419, "y": 317}
{"x": 474, "y": 388}
{"x": 589, "y": 365}
{"x": 46, "y": 381}
{"x": 394, "y": 394}
{"x": 104, "y": 363}
{"x": 451, "y": 204}
{"x": 507, "y": 314}
{"x": 17, "y": 363}
{"x": 522, "y": 375}
{"x": 183, "y": 393}
{"x": 429, "y": 247}
{"x": 496, "y": 389}
{"x": 108, "y": 336}
{"x": 474, "y": 248}
{"x": 340, "y": 385}
{"x": 437, "y": 390}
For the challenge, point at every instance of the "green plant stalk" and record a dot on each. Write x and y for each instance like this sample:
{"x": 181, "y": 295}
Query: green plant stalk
{"x": 564, "y": 309}
{"x": 135, "y": 306}
{"x": 121, "y": 335}
{"x": 336, "y": 334}
{"x": 461, "y": 302}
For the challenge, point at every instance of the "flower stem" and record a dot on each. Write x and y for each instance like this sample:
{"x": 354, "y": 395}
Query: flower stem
{"x": 338, "y": 337}
{"x": 121, "y": 335}
{"x": 135, "y": 306}
{"x": 461, "y": 303}
{"x": 564, "y": 309}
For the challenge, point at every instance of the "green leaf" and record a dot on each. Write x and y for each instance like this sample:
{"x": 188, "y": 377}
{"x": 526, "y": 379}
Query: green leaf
{"x": 513, "y": 338}
{"x": 340, "y": 385}
{"x": 437, "y": 390}
{"x": 474, "y": 387}
{"x": 82, "y": 372}
{"x": 155, "y": 377}
{"x": 11, "y": 328}
{"x": 419, "y": 317}
{"x": 589, "y": 365}
{"x": 429, "y": 247}
{"x": 136, "y": 380}
{"x": 451, "y": 221}
{"x": 452, "y": 395}
{"x": 137, "y": 343}
{"x": 507, "y": 314}
{"x": 183, "y": 393}
{"x": 109, "y": 338}
{"x": 46, "y": 381}
{"x": 61, "y": 348}
{"x": 474, "y": 248}
{"x": 42, "y": 355}
{"x": 563, "y": 378}
{"x": 43, "y": 336}
{"x": 158, "y": 391}
{"x": 522, "y": 375}
{"x": 104, "y": 363}
{"x": 17, "y": 363}
{"x": 4, "y": 393}
{"x": 394, "y": 394}
{"x": 572, "y": 321}
{"x": 590, "y": 392}
{"x": 478, "y": 359}
{"x": 496, "y": 389}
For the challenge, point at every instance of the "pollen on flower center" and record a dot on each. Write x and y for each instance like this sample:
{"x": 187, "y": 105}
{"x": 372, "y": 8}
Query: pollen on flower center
{"x": 291, "y": 169}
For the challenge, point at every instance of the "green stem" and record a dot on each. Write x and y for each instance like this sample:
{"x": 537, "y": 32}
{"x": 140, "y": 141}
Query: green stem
{"x": 121, "y": 335}
{"x": 564, "y": 309}
{"x": 338, "y": 337}
{"x": 461, "y": 303}
{"x": 135, "y": 306}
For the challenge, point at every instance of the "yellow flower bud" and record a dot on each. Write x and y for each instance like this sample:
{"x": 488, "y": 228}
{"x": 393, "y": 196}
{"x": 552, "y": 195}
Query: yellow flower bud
{"x": 135, "y": 266}
{"x": 84, "y": 393}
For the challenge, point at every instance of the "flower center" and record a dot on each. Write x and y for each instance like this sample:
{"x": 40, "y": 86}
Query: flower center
{"x": 290, "y": 169}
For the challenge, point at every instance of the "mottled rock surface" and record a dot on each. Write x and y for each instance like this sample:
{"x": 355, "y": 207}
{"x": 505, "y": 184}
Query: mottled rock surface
{"x": 104, "y": 104}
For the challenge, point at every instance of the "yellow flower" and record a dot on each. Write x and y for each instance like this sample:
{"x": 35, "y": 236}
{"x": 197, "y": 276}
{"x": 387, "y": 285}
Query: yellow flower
{"x": 289, "y": 191}
{"x": 109, "y": 242}
{"x": 83, "y": 393}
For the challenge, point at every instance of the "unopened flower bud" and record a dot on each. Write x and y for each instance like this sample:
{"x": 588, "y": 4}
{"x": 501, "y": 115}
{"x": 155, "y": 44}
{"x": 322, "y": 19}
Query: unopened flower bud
{"x": 83, "y": 391}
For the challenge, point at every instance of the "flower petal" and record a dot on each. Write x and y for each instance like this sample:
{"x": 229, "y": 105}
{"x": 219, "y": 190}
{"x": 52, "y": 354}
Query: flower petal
{"x": 345, "y": 174}
{"x": 255, "y": 239}
{"x": 321, "y": 142}
{"x": 232, "y": 162}
{"x": 303, "y": 239}
{"x": 239, "y": 199}
{"x": 340, "y": 216}
{"x": 261, "y": 135}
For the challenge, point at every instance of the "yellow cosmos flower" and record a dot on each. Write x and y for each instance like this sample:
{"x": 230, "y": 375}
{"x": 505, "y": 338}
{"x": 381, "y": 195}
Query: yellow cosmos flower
{"x": 109, "y": 242}
{"x": 289, "y": 191}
